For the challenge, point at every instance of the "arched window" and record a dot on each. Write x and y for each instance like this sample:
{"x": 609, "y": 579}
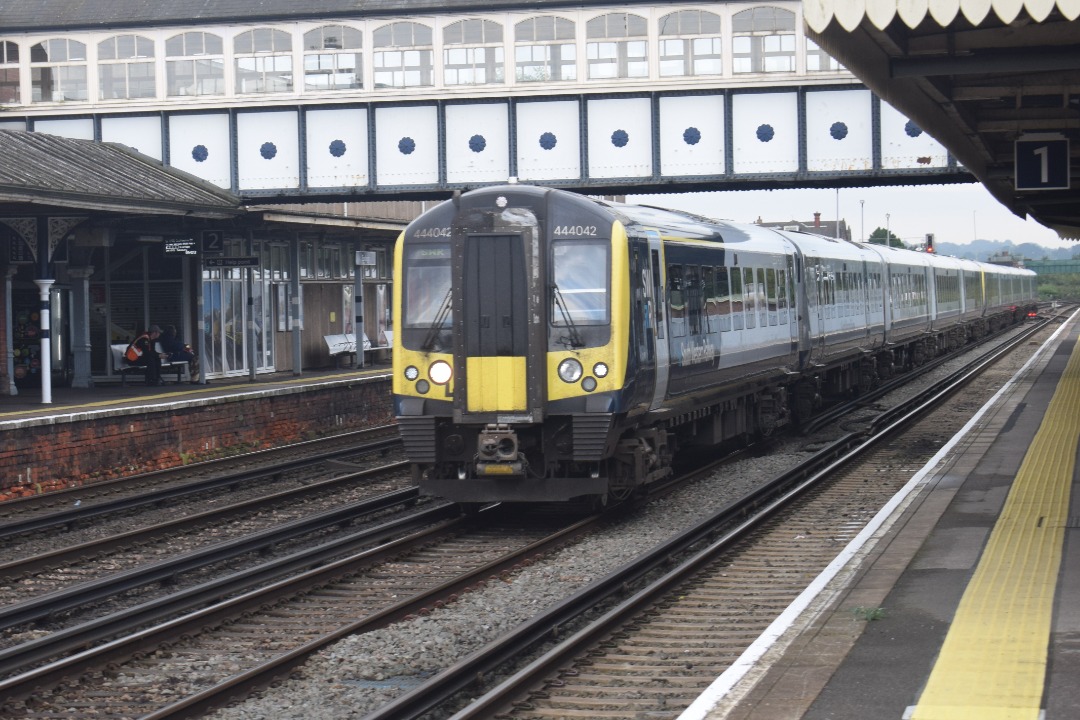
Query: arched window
{"x": 126, "y": 68}
{"x": 264, "y": 62}
{"x": 617, "y": 46}
{"x": 58, "y": 71}
{"x": 473, "y": 53}
{"x": 404, "y": 56}
{"x": 545, "y": 50}
{"x": 333, "y": 58}
{"x": 763, "y": 40}
{"x": 9, "y": 73}
{"x": 195, "y": 64}
{"x": 690, "y": 44}
{"x": 817, "y": 60}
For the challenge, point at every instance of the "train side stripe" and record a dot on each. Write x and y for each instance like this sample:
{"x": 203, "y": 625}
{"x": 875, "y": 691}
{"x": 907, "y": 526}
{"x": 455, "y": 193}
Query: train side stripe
{"x": 993, "y": 661}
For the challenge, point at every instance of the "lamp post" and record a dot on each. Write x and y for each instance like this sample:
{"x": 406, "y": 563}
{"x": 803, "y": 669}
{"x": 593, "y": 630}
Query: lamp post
{"x": 888, "y": 233}
{"x": 862, "y": 221}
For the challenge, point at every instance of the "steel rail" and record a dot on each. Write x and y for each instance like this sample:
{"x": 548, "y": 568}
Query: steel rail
{"x": 19, "y": 658}
{"x": 34, "y": 563}
{"x": 81, "y": 594}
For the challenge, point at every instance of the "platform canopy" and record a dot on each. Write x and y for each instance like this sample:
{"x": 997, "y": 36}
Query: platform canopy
{"x": 997, "y": 82}
{"x": 42, "y": 173}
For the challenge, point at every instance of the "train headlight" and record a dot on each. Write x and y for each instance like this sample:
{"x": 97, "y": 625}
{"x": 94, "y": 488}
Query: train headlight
{"x": 588, "y": 384}
{"x": 411, "y": 373}
{"x": 600, "y": 370}
{"x": 570, "y": 370}
{"x": 440, "y": 372}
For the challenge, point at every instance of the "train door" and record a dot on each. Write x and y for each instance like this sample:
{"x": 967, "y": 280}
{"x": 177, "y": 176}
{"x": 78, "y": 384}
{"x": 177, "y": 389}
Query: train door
{"x": 496, "y": 324}
{"x": 658, "y": 301}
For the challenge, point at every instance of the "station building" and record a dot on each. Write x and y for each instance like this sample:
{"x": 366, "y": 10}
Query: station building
{"x": 99, "y": 242}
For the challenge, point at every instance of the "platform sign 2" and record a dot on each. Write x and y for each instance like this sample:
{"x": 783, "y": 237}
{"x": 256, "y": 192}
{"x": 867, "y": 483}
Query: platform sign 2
{"x": 213, "y": 242}
{"x": 1042, "y": 164}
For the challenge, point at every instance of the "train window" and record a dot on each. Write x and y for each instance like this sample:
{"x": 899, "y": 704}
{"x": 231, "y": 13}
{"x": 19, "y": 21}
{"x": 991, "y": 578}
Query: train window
{"x": 749, "y": 298}
{"x": 723, "y": 299}
{"x": 580, "y": 283}
{"x": 425, "y": 296}
{"x": 737, "y": 299}
{"x": 770, "y": 292}
{"x": 676, "y": 300}
{"x": 693, "y": 299}
{"x": 710, "y": 322}
{"x": 783, "y": 281}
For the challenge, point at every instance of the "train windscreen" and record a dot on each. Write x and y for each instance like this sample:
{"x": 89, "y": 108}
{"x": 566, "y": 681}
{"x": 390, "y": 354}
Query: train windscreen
{"x": 426, "y": 299}
{"x": 580, "y": 284}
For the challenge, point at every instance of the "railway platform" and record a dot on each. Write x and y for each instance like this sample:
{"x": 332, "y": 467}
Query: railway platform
{"x": 964, "y": 600}
{"x": 111, "y": 430}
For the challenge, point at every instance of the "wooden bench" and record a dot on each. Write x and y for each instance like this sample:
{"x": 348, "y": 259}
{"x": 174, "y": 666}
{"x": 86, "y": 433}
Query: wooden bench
{"x": 123, "y": 368}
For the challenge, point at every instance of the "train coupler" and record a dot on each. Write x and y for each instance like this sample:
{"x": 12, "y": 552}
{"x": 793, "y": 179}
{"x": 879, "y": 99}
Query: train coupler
{"x": 497, "y": 452}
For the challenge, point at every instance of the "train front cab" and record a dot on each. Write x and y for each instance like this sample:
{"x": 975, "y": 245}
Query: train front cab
{"x": 511, "y": 331}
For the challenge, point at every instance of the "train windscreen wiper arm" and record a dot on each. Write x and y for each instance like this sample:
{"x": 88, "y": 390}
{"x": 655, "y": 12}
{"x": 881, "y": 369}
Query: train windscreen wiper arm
{"x": 437, "y": 323}
{"x": 575, "y": 337}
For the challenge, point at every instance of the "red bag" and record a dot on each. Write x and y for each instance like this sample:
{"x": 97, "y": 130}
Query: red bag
{"x": 132, "y": 353}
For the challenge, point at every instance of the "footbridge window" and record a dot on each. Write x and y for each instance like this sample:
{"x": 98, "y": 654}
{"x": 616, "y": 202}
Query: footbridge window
{"x": 58, "y": 70}
{"x": 473, "y": 53}
{"x": 333, "y": 58}
{"x": 545, "y": 50}
{"x": 618, "y": 47}
{"x": 763, "y": 40}
{"x": 9, "y": 73}
{"x": 817, "y": 60}
{"x": 126, "y": 68}
{"x": 404, "y": 56}
{"x": 264, "y": 62}
{"x": 194, "y": 64}
{"x": 690, "y": 44}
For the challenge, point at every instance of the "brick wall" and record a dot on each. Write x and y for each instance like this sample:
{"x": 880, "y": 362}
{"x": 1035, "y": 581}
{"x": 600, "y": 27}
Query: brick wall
{"x": 39, "y": 458}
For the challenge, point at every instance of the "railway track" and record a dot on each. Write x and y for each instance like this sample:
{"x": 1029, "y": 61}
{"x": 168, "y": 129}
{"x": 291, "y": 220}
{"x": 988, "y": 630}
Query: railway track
{"x": 659, "y": 647}
{"x": 77, "y": 506}
{"x": 253, "y": 637}
{"x": 55, "y": 690}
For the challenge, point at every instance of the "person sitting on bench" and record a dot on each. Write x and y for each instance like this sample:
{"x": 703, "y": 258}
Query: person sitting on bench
{"x": 176, "y": 350}
{"x": 141, "y": 351}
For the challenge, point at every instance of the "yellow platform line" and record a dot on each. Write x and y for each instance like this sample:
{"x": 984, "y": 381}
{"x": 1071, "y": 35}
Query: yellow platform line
{"x": 992, "y": 665}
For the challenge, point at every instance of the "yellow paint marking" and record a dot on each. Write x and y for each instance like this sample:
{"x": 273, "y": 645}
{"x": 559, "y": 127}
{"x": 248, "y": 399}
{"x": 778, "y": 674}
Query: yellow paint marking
{"x": 992, "y": 665}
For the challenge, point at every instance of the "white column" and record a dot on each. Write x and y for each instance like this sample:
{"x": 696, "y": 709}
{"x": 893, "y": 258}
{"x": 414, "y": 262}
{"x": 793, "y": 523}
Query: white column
{"x": 46, "y": 341}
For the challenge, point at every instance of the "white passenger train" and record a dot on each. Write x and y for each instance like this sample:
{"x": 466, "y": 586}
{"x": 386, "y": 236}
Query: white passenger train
{"x": 549, "y": 346}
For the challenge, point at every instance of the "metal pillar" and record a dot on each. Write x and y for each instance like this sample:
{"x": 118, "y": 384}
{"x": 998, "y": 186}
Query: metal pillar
{"x": 80, "y": 300}
{"x": 294, "y": 306}
{"x": 10, "y": 349}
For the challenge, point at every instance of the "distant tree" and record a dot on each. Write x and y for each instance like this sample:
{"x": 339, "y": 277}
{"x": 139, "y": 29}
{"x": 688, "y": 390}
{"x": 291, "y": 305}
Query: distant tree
{"x": 1059, "y": 287}
{"x": 881, "y": 236}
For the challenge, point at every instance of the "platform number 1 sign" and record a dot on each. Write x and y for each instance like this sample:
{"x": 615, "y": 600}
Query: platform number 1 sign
{"x": 1042, "y": 164}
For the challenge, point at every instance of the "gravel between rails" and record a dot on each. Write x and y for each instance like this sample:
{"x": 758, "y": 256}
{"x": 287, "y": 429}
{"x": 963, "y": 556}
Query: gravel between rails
{"x": 362, "y": 673}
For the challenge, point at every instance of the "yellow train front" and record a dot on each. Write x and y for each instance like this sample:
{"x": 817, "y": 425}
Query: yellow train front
{"x": 511, "y": 329}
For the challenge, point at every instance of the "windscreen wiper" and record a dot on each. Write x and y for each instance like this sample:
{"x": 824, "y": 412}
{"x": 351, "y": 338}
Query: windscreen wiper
{"x": 574, "y": 340}
{"x": 437, "y": 323}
